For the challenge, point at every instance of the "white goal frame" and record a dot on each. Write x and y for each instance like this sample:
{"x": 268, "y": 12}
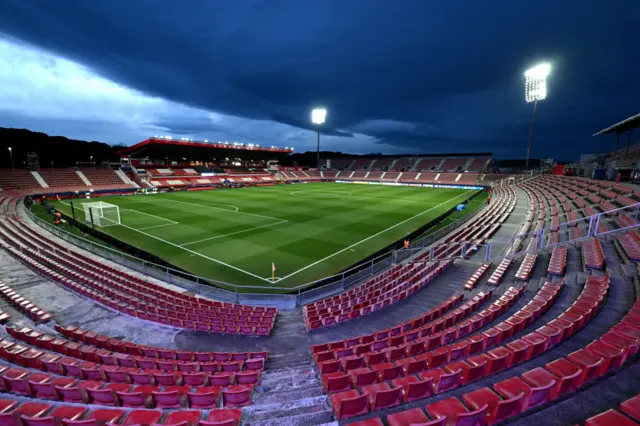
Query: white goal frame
{"x": 104, "y": 214}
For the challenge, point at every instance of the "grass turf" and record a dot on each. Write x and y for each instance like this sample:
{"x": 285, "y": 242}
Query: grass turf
{"x": 309, "y": 231}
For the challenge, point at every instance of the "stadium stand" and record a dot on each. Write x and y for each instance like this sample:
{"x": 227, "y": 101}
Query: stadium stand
{"x": 428, "y": 164}
{"x": 62, "y": 178}
{"x": 102, "y": 177}
{"x": 127, "y": 293}
{"x": 18, "y": 179}
{"x": 543, "y": 328}
{"x": 454, "y": 164}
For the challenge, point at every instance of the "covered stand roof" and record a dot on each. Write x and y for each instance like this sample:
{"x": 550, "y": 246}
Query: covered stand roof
{"x": 623, "y": 126}
{"x": 153, "y": 147}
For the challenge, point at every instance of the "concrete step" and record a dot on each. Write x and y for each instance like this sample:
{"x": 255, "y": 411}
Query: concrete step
{"x": 287, "y": 378}
{"x": 288, "y": 394}
{"x": 288, "y": 361}
{"x": 297, "y": 410}
{"x": 315, "y": 418}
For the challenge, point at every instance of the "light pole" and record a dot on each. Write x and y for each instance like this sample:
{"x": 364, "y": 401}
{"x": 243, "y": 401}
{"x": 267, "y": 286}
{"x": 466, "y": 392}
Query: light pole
{"x": 318, "y": 117}
{"x": 535, "y": 90}
{"x": 11, "y": 155}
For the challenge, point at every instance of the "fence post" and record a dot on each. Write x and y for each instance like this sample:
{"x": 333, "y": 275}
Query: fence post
{"x": 541, "y": 239}
{"x": 635, "y": 218}
{"x": 464, "y": 249}
{"x": 590, "y": 230}
{"x": 595, "y": 231}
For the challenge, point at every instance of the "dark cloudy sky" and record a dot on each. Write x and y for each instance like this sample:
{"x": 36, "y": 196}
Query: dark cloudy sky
{"x": 397, "y": 76}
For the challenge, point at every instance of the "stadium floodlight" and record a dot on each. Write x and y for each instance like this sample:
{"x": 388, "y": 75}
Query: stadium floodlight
{"x": 318, "y": 117}
{"x": 535, "y": 90}
{"x": 11, "y": 155}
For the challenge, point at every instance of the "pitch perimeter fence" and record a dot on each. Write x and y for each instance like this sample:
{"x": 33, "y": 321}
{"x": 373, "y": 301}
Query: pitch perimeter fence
{"x": 290, "y": 297}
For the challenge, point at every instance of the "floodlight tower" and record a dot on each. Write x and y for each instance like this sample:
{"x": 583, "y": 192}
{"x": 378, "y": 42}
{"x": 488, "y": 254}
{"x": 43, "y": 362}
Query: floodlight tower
{"x": 318, "y": 117}
{"x": 535, "y": 90}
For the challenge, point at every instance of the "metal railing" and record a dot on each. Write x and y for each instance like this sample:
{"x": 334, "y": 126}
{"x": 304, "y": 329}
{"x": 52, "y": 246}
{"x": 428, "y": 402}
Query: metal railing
{"x": 282, "y": 297}
{"x": 290, "y": 297}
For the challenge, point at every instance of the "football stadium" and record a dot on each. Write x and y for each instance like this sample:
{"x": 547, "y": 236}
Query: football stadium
{"x": 181, "y": 280}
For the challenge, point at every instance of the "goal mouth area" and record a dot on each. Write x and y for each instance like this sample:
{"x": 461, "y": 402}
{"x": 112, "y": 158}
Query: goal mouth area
{"x": 99, "y": 213}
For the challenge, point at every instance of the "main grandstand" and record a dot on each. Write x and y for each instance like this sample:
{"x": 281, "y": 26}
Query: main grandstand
{"x": 229, "y": 290}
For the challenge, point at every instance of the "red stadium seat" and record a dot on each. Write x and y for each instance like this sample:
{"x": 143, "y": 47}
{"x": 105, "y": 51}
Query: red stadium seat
{"x": 349, "y": 404}
{"x": 232, "y": 416}
{"x": 409, "y": 417}
{"x": 142, "y": 417}
{"x": 498, "y": 409}
{"x": 631, "y": 407}
{"x": 569, "y": 374}
{"x": 456, "y": 413}
{"x": 610, "y": 418}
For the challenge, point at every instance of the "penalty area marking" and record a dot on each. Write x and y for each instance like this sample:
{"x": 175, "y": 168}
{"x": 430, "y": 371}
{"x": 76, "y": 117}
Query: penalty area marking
{"x": 196, "y": 253}
{"x": 171, "y": 222}
{"x": 225, "y": 210}
{"x": 234, "y": 233}
{"x": 371, "y": 236}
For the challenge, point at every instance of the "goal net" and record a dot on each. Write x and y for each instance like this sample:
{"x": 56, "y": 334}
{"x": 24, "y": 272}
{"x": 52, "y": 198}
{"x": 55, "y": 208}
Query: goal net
{"x": 103, "y": 214}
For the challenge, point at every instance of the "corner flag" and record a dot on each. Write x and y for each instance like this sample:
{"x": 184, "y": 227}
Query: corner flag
{"x": 273, "y": 272}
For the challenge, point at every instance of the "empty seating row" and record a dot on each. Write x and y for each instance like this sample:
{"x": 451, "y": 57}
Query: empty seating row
{"x": 404, "y": 344}
{"x": 17, "y": 413}
{"x": 18, "y": 179}
{"x": 45, "y": 386}
{"x": 118, "y": 296}
{"x": 23, "y": 304}
{"x": 369, "y": 374}
{"x": 526, "y": 267}
{"x": 371, "y": 297}
{"x": 402, "y": 347}
{"x": 496, "y": 276}
{"x": 161, "y": 295}
{"x": 398, "y": 330}
{"x": 558, "y": 261}
{"x": 139, "y": 371}
{"x": 630, "y": 243}
{"x": 141, "y": 357}
{"x": 123, "y": 347}
{"x": 508, "y": 397}
{"x": 473, "y": 280}
{"x": 592, "y": 254}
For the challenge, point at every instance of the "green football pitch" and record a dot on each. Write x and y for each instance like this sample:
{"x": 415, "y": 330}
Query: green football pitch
{"x": 309, "y": 231}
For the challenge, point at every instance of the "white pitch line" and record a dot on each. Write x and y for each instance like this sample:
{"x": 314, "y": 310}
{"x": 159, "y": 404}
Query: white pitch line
{"x": 159, "y": 226}
{"x": 224, "y": 210}
{"x": 362, "y": 197}
{"x": 196, "y": 253}
{"x": 370, "y": 237}
{"x": 152, "y": 215}
{"x": 233, "y": 233}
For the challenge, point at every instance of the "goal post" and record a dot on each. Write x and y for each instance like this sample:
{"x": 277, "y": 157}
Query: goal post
{"x": 102, "y": 214}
